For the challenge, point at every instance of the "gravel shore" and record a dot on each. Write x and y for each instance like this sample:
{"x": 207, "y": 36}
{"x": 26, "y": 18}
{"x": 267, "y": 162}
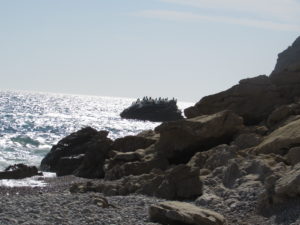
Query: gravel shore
{"x": 54, "y": 204}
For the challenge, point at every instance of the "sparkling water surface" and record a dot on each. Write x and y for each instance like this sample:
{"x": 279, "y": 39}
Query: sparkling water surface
{"x": 31, "y": 122}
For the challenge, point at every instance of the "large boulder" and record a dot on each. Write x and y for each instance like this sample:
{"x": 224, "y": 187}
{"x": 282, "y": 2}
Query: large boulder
{"x": 82, "y": 153}
{"x": 180, "y": 140}
{"x": 19, "y": 171}
{"x": 173, "y": 212}
{"x": 281, "y": 139}
{"x": 252, "y": 98}
{"x": 153, "y": 110}
{"x": 69, "y": 146}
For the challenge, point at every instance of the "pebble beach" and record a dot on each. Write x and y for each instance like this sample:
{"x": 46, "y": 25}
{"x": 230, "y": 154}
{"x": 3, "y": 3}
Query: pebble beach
{"x": 54, "y": 204}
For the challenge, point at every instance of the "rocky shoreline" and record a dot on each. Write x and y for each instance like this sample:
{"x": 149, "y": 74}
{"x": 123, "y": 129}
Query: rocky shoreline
{"x": 54, "y": 204}
{"x": 235, "y": 160}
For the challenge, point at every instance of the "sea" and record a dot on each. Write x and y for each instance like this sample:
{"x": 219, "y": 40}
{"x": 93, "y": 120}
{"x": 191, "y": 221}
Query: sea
{"x": 32, "y": 122}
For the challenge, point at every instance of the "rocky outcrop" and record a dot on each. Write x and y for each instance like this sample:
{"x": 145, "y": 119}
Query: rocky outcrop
{"x": 252, "y": 98}
{"x": 224, "y": 158}
{"x": 255, "y": 98}
{"x": 81, "y": 153}
{"x": 288, "y": 84}
{"x": 69, "y": 146}
{"x": 180, "y": 140}
{"x": 180, "y": 182}
{"x": 184, "y": 214}
{"x": 153, "y": 110}
{"x": 289, "y": 59}
{"x": 286, "y": 75}
{"x": 19, "y": 171}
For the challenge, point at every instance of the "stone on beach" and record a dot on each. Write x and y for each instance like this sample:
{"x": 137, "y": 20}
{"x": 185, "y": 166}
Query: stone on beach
{"x": 185, "y": 214}
{"x": 82, "y": 153}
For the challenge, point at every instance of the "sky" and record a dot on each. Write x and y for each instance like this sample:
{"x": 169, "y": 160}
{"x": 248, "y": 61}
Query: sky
{"x": 185, "y": 49}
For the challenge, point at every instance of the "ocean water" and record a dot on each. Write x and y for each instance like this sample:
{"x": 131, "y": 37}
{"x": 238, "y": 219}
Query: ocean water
{"x": 31, "y": 122}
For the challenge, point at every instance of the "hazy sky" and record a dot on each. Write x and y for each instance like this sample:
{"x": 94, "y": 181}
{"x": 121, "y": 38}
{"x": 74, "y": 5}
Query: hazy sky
{"x": 170, "y": 48}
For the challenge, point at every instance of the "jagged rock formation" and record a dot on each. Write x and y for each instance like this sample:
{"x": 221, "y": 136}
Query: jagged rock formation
{"x": 254, "y": 98}
{"x": 288, "y": 60}
{"x": 239, "y": 161}
{"x": 156, "y": 110}
{"x": 82, "y": 153}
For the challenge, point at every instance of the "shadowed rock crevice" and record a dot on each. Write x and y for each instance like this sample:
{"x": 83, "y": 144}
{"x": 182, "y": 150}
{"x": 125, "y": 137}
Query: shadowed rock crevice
{"x": 185, "y": 155}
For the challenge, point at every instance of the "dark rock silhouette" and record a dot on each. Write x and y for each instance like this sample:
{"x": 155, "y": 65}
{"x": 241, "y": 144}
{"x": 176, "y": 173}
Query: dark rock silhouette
{"x": 19, "y": 171}
{"x": 255, "y": 98}
{"x": 67, "y": 147}
{"x": 252, "y": 98}
{"x": 289, "y": 59}
{"x": 81, "y": 153}
{"x": 156, "y": 110}
{"x": 286, "y": 75}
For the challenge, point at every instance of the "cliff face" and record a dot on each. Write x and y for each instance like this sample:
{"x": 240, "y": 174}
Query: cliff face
{"x": 289, "y": 59}
{"x": 286, "y": 75}
{"x": 255, "y": 98}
